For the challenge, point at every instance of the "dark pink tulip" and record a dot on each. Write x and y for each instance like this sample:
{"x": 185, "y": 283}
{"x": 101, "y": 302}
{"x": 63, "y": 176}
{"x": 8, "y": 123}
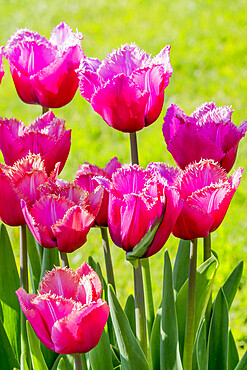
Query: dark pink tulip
{"x": 1, "y": 63}
{"x": 21, "y": 181}
{"x": 137, "y": 199}
{"x": 63, "y": 219}
{"x": 127, "y": 88}
{"x": 206, "y": 192}
{"x": 207, "y": 133}
{"x": 46, "y": 136}
{"x": 87, "y": 177}
{"x": 44, "y": 70}
{"x": 68, "y": 314}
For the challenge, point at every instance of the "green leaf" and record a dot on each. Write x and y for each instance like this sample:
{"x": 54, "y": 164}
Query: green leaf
{"x": 201, "y": 347}
{"x": 232, "y": 283}
{"x": 218, "y": 334}
{"x": 49, "y": 356}
{"x": 61, "y": 364}
{"x": 233, "y": 358}
{"x": 129, "y": 310}
{"x": 115, "y": 356}
{"x": 50, "y": 259}
{"x": 155, "y": 341}
{"x": 204, "y": 280}
{"x": 169, "y": 346}
{"x": 132, "y": 357}
{"x": 100, "y": 356}
{"x": 242, "y": 365}
{"x": 24, "y": 365}
{"x": 34, "y": 259}
{"x": 7, "y": 356}
{"x": 182, "y": 265}
{"x": 10, "y": 282}
{"x": 38, "y": 360}
{"x": 143, "y": 246}
{"x": 68, "y": 360}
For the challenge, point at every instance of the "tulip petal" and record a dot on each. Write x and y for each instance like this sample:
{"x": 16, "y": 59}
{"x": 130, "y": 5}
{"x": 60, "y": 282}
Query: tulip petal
{"x": 114, "y": 218}
{"x": 1, "y": 63}
{"x": 85, "y": 270}
{"x": 81, "y": 330}
{"x": 129, "y": 179}
{"x": 89, "y": 83}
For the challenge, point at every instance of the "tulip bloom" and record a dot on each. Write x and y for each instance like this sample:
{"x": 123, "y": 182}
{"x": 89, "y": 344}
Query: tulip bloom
{"x": 68, "y": 314}
{"x": 21, "y": 181}
{"x": 207, "y": 133}
{"x": 127, "y": 88}
{"x": 206, "y": 193}
{"x": 63, "y": 219}
{"x": 43, "y": 70}
{"x": 1, "y": 63}
{"x": 46, "y": 136}
{"x": 137, "y": 199}
{"x": 87, "y": 177}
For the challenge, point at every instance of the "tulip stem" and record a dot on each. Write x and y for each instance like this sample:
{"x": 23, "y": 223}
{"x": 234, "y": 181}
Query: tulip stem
{"x": 44, "y": 110}
{"x": 133, "y": 148}
{"x": 190, "y": 317}
{"x": 141, "y": 332}
{"x": 64, "y": 259}
{"x": 148, "y": 294}
{"x": 78, "y": 362}
{"x": 207, "y": 247}
{"x": 107, "y": 255}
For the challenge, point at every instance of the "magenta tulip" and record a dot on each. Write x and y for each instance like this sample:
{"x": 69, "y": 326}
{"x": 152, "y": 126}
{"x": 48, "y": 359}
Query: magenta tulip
{"x": 44, "y": 71}
{"x": 139, "y": 198}
{"x": 127, "y": 88}
{"x": 68, "y": 314}
{"x": 207, "y": 133}
{"x": 1, "y": 63}
{"x": 46, "y": 136}
{"x": 63, "y": 219}
{"x": 87, "y": 177}
{"x": 21, "y": 181}
{"x": 206, "y": 193}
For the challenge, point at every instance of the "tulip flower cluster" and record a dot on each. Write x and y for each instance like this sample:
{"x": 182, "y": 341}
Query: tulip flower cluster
{"x": 141, "y": 207}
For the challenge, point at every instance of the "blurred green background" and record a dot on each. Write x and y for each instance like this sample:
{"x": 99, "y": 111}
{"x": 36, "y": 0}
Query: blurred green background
{"x": 209, "y": 58}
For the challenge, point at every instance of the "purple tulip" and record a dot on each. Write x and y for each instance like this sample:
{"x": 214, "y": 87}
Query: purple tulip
{"x": 207, "y": 133}
{"x": 44, "y": 70}
{"x": 127, "y": 88}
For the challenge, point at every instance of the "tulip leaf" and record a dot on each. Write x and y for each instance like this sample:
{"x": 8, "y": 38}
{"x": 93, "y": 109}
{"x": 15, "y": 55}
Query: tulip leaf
{"x": 232, "y": 283}
{"x": 155, "y": 341}
{"x": 115, "y": 356}
{"x": 242, "y": 365}
{"x": 24, "y": 365}
{"x": 200, "y": 350}
{"x": 233, "y": 358}
{"x": 49, "y": 356}
{"x": 142, "y": 247}
{"x": 49, "y": 260}
{"x": 38, "y": 360}
{"x": 129, "y": 310}
{"x": 7, "y": 356}
{"x": 131, "y": 354}
{"x": 218, "y": 334}
{"x": 61, "y": 364}
{"x": 34, "y": 259}
{"x": 182, "y": 265}
{"x": 100, "y": 356}
{"x": 169, "y": 346}
{"x": 10, "y": 282}
{"x": 204, "y": 280}
{"x": 68, "y": 360}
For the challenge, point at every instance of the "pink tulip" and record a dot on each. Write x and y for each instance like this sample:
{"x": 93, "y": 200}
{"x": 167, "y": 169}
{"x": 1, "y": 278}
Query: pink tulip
{"x": 127, "y": 88}
{"x": 68, "y": 314}
{"x": 63, "y": 219}
{"x": 21, "y": 181}
{"x": 139, "y": 198}
{"x": 206, "y": 192}
{"x": 87, "y": 177}
{"x": 207, "y": 133}
{"x": 1, "y": 63}
{"x": 46, "y": 135}
{"x": 44, "y": 70}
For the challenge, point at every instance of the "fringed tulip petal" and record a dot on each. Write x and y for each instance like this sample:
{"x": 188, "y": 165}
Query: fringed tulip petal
{"x": 85, "y": 270}
{"x": 1, "y": 63}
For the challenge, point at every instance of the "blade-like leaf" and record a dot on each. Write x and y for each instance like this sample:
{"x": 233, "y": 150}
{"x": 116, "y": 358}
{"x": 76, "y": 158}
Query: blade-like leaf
{"x": 49, "y": 356}
{"x": 201, "y": 347}
{"x": 24, "y": 365}
{"x": 232, "y": 283}
{"x": 233, "y": 358}
{"x": 218, "y": 334}
{"x": 182, "y": 265}
{"x": 34, "y": 259}
{"x": 100, "y": 356}
{"x": 132, "y": 357}
{"x": 68, "y": 360}
{"x": 38, "y": 360}
{"x": 7, "y": 356}
{"x": 115, "y": 356}
{"x": 61, "y": 364}
{"x": 50, "y": 259}
{"x": 169, "y": 346}
{"x": 129, "y": 310}
{"x": 9, "y": 283}
{"x": 155, "y": 341}
{"x": 242, "y": 365}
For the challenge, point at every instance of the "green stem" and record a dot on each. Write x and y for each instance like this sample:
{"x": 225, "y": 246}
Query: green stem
{"x": 207, "y": 247}
{"x": 133, "y": 147}
{"x": 78, "y": 362}
{"x": 64, "y": 259}
{"x": 107, "y": 255}
{"x": 190, "y": 318}
{"x": 44, "y": 110}
{"x": 141, "y": 332}
{"x": 148, "y": 294}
